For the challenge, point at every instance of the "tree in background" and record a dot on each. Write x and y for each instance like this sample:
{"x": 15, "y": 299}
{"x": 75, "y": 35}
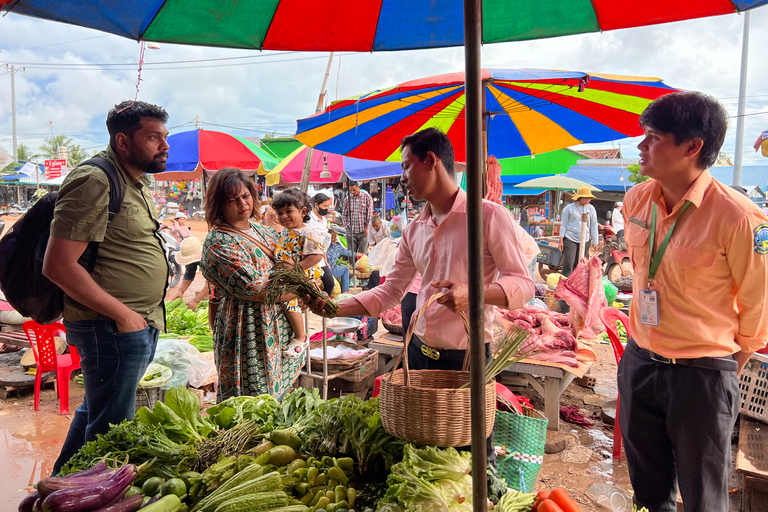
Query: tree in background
{"x": 634, "y": 174}
{"x": 75, "y": 154}
{"x": 23, "y": 153}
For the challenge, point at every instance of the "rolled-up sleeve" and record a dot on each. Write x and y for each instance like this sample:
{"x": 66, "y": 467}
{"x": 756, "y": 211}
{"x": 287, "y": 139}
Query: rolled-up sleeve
{"x": 505, "y": 243}
{"x": 749, "y": 269}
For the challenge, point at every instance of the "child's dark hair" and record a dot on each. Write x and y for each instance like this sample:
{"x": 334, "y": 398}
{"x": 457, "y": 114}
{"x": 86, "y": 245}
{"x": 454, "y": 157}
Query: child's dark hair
{"x": 292, "y": 197}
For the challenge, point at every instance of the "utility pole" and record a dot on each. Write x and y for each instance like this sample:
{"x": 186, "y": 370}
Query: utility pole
{"x": 197, "y": 122}
{"x": 742, "y": 104}
{"x": 12, "y": 71}
{"x": 304, "y": 185}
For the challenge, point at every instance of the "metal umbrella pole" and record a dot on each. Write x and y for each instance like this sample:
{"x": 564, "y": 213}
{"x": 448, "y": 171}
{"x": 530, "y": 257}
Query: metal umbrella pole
{"x": 304, "y": 185}
{"x": 476, "y": 345}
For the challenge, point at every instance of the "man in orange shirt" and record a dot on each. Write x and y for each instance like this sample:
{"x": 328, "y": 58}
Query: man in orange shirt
{"x": 699, "y": 251}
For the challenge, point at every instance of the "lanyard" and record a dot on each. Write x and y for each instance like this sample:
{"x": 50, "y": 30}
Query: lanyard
{"x": 656, "y": 258}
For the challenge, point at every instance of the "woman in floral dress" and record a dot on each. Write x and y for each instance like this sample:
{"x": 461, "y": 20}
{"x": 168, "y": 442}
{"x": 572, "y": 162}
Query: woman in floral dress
{"x": 248, "y": 335}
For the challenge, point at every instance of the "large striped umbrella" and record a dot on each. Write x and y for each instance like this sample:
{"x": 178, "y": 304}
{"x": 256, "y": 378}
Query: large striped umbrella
{"x": 364, "y": 26}
{"x": 196, "y": 150}
{"x": 527, "y": 111}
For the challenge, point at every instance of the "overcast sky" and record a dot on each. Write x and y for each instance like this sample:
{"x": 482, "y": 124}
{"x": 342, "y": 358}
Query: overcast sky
{"x": 262, "y": 92}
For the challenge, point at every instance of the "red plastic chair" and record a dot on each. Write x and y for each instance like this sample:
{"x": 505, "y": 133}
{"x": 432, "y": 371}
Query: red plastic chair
{"x": 41, "y": 337}
{"x": 609, "y": 316}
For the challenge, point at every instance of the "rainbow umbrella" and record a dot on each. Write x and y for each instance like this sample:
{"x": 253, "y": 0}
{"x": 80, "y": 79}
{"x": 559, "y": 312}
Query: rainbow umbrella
{"x": 352, "y": 25}
{"x": 526, "y": 111}
{"x": 194, "y": 151}
{"x": 290, "y": 169}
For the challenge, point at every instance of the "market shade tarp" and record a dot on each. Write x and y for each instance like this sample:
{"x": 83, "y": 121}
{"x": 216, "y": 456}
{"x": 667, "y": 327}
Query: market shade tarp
{"x": 526, "y": 112}
{"x": 352, "y": 25}
{"x": 290, "y": 169}
{"x": 607, "y": 179}
{"x": 194, "y": 151}
{"x": 556, "y": 182}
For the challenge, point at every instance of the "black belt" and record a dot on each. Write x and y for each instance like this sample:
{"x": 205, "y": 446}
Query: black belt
{"x": 431, "y": 352}
{"x": 727, "y": 363}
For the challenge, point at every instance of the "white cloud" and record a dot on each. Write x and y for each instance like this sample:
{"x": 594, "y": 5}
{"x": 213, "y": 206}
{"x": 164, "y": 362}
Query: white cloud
{"x": 253, "y": 97}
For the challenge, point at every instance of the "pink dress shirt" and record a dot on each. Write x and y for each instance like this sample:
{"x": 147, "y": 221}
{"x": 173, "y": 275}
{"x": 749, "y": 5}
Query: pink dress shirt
{"x": 439, "y": 253}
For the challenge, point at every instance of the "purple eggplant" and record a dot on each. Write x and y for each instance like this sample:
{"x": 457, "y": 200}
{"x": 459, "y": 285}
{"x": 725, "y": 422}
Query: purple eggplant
{"x": 38, "y": 506}
{"x": 92, "y": 496}
{"x": 98, "y": 468}
{"x": 126, "y": 505}
{"x": 28, "y": 502}
{"x": 52, "y": 484}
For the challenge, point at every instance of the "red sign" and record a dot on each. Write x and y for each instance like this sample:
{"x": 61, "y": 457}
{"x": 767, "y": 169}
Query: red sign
{"x": 53, "y": 168}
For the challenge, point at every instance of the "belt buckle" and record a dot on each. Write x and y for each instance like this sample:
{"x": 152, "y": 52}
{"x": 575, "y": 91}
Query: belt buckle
{"x": 430, "y": 352}
{"x": 661, "y": 359}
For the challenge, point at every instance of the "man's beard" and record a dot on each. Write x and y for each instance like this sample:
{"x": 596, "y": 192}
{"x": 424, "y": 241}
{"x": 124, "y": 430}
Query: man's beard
{"x": 153, "y": 166}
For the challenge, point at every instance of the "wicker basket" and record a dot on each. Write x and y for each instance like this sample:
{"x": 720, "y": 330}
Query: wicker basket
{"x": 148, "y": 397}
{"x": 394, "y": 329}
{"x": 427, "y": 406}
{"x": 340, "y": 364}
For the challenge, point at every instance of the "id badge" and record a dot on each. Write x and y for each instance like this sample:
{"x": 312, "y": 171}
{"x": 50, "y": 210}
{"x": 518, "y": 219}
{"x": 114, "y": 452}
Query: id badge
{"x": 649, "y": 307}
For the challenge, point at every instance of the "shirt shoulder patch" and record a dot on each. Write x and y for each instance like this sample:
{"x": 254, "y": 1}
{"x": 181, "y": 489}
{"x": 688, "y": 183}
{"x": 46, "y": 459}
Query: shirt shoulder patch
{"x": 761, "y": 239}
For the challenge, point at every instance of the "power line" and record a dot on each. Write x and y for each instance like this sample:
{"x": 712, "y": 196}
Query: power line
{"x": 56, "y": 44}
{"x": 259, "y": 56}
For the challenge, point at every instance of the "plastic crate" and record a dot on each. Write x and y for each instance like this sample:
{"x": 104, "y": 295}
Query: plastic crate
{"x": 549, "y": 255}
{"x": 148, "y": 397}
{"x": 753, "y": 384}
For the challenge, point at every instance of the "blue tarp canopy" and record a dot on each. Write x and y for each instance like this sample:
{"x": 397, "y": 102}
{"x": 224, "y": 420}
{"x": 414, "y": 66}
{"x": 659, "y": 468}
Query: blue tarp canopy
{"x": 363, "y": 170}
{"x": 508, "y": 182}
{"x": 14, "y": 177}
{"x": 607, "y": 179}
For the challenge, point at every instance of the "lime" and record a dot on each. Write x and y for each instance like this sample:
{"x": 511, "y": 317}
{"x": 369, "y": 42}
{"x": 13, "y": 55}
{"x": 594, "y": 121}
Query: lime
{"x": 152, "y": 486}
{"x": 174, "y": 486}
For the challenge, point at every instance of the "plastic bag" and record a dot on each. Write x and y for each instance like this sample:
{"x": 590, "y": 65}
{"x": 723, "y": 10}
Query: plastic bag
{"x": 364, "y": 266}
{"x": 184, "y": 360}
{"x": 156, "y": 376}
{"x": 383, "y": 256}
{"x": 610, "y": 497}
{"x": 610, "y": 290}
{"x": 553, "y": 279}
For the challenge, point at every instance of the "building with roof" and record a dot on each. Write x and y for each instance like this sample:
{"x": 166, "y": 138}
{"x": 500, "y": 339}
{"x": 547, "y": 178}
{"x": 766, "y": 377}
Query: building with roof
{"x": 601, "y": 154}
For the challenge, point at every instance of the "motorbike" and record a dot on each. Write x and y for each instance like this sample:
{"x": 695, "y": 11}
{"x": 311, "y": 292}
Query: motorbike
{"x": 174, "y": 268}
{"x": 614, "y": 256}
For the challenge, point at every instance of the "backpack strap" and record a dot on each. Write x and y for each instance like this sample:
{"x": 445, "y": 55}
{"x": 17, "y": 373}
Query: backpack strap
{"x": 88, "y": 260}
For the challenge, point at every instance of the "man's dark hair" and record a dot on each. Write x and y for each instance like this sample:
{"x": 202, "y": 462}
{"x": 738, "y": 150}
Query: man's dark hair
{"x": 126, "y": 118}
{"x": 431, "y": 139}
{"x": 354, "y": 183}
{"x": 320, "y": 198}
{"x": 292, "y": 197}
{"x": 687, "y": 115}
{"x": 224, "y": 185}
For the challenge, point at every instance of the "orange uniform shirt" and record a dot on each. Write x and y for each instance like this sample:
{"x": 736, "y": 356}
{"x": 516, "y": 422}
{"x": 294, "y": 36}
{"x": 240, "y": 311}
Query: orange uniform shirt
{"x": 713, "y": 280}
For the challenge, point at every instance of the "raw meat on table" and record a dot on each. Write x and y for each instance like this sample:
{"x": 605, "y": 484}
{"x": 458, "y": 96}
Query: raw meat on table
{"x": 551, "y": 334}
{"x": 584, "y": 293}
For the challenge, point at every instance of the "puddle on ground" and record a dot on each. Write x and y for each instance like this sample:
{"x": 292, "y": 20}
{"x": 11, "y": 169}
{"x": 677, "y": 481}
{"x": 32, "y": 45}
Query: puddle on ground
{"x": 30, "y": 441}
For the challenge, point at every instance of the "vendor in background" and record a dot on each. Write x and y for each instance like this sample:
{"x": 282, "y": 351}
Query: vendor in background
{"x": 190, "y": 252}
{"x": 700, "y": 254}
{"x": 321, "y": 205}
{"x": 570, "y": 229}
{"x": 435, "y": 245}
{"x": 179, "y": 229}
{"x": 377, "y": 231}
{"x": 617, "y": 221}
{"x": 524, "y": 217}
{"x": 538, "y": 232}
{"x": 340, "y": 272}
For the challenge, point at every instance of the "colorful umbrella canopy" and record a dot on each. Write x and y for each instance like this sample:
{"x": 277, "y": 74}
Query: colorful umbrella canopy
{"x": 351, "y": 25}
{"x": 527, "y": 111}
{"x": 194, "y": 151}
{"x": 290, "y": 169}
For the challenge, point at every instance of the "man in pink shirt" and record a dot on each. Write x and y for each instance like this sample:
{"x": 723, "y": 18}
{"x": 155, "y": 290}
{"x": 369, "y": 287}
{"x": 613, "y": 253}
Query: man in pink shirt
{"x": 435, "y": 246}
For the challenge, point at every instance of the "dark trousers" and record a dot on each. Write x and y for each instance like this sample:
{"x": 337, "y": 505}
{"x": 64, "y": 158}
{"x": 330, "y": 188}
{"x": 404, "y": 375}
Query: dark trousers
{"x": 113, "y": 364}
{"x": 677, "y": 422}
{"x": 571, "y": 255}
{"x": 449, "y": 360}
{"x": 407, "y": 308}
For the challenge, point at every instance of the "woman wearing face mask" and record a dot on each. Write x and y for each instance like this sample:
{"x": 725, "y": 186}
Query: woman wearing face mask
{"x": 321, "y": 203}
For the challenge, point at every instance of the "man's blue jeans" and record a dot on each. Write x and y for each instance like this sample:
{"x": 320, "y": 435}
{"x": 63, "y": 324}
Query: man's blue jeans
{"x": 341, "y": 272}
{"x": 112, "y": 363}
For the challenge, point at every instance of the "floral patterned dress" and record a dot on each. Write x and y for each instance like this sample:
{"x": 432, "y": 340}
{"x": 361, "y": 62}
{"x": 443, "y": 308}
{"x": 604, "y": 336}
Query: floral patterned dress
{"x": 247, "y": 334}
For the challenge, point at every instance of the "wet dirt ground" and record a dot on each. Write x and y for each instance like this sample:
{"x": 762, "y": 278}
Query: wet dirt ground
{"x": 31, "y": 439}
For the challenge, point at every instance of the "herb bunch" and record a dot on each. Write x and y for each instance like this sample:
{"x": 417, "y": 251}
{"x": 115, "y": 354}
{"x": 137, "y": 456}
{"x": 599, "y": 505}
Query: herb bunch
{"x": 289, "y": 278}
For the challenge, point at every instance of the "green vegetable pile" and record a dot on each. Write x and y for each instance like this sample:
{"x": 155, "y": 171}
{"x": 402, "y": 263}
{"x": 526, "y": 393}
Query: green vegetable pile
{"x": 185, "y": 322}
{"x": 622, "y": 334}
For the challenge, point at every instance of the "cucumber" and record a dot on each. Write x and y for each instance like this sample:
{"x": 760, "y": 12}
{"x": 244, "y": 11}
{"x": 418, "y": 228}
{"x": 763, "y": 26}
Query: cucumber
{"x": 165, "y": 504}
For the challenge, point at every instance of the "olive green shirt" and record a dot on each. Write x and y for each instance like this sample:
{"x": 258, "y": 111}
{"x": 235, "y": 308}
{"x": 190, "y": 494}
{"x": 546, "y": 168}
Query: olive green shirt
{"x": 131, "y": 264}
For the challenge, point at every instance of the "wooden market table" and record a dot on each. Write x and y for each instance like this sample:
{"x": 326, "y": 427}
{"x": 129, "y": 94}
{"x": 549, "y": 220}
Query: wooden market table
{"x": 557, "y": 377}
{"x": 15, "y": 338}
{"x": 389, "y": 348}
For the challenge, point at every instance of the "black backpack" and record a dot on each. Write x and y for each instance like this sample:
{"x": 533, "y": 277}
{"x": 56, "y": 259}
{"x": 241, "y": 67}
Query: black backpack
{"x": 22, "y": 251}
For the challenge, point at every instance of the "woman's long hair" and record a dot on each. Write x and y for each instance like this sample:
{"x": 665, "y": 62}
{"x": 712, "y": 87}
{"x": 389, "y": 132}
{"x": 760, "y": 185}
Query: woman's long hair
{"x": 223, "y": 186}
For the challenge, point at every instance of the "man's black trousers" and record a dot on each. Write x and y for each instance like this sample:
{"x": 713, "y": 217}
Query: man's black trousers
{"x": 677, "y": 422}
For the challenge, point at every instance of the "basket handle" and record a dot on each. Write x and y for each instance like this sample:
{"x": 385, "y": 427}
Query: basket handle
{"x": 409, "y": 334}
